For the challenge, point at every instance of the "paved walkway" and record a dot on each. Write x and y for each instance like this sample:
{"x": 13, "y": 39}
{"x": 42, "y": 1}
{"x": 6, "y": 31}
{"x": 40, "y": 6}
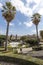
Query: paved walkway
{"x": 29, "y": 51}
{"x": 25, "y": 50}
{"x": 38, "y": 54}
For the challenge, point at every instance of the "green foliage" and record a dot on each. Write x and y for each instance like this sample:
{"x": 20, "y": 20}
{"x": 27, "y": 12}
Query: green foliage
{"x": 15, "y": 51}
{"x": 29, "y": 40}
{"x": 32, "y": 41}
{"x": 10, "y": 47}
{"x": 37, "y": 48}
{"x": 19, "y": 45}
{"x": 36, "y": 18}
{"x": 41, "y": 34}
{"x": 3, "y": 37}
{"x": 8, "y": 11}
{"x": 20, "y": 59}
{"x": 23, "y": 38}
{"x": 26, "y": 45}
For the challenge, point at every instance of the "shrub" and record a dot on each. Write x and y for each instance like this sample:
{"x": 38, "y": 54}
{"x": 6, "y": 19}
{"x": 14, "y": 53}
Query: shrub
{"x": 10, "y": 48}
{"x": 27, "y": 45}
{"x": 19, "y": 45}
{"x": 15, "y": 51}
{"x": 1, "y": 42}
{"x": 32, "y": 42}
{"x": 37, "y": 48}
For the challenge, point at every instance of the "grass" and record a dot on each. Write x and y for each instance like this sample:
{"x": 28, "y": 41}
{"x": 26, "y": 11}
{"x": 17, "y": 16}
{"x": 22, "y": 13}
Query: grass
{"x": 2, "y": 48}
{"x": 21, "y": 56}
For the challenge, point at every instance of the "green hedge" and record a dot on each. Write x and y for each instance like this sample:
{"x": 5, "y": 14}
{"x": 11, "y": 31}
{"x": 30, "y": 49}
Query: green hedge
{"x": 20, "y": 59}
{"x": 1, "y": 42}
{"x": 32, "y": 41}
{"x": 37, "y": 48}
{"x": 15, "y": 51}
{"x": 16, "y": 60}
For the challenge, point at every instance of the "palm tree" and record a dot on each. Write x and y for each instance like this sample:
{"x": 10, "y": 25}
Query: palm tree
{"x": 8, "y": 12}
{"x": 36, "y": 19}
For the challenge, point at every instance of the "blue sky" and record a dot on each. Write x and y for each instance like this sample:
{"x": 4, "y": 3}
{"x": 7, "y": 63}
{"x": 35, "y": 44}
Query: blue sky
{"x": 22, "y": 24}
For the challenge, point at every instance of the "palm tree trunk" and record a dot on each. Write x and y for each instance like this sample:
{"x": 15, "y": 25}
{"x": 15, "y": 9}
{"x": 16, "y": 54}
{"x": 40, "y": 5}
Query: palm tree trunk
{"x": 6, "y": 36}
{"x": 37, "y": 31}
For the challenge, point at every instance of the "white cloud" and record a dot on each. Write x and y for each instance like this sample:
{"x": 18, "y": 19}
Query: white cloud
{"x": 25, "y": 9}
{"x": 1, "y": 5}
{"x": 41, "y": 11}
{"x": 21, "y": 7}
{"x": 40, "y": 7}
{"x": 11, "y": 24}
{"x": 36, "y": 6}
{"x": 28, "y": 24}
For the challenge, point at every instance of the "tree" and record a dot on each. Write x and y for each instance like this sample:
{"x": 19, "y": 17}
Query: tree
{"x": 10, "y": 37}
{"x": 16, "y": 37}
{"x": 41, "y": 34}
{"x": 8, "y": 12}
{"x": 36, "y": 19}
{"x": 23, "y": 38}
{"x": 3, "y": 37}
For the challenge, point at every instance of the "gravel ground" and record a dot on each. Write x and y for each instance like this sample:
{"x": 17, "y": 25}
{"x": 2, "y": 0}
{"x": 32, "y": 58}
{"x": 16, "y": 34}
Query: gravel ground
{"x": 38, "y": 54}
{"x": 29, "y": 51}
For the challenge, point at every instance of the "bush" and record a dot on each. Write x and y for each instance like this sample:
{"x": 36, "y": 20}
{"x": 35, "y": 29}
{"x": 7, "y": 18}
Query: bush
{"x": 15, "y": 51}
{"x": 32, "y": 42}
{"x": 20, "y": 61}
{"x": 10, "y": 48}
{"x": 1, "y": 42}
{"x": 27, "y": 45}
{"x": 19, "y": 45}
{"x": 2, "y": 39}
{"x": 37, "y": 48}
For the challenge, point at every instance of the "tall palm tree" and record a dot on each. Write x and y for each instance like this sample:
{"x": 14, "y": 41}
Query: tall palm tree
{"x": 36, "y": 19}
{"x": 8, "y": 12}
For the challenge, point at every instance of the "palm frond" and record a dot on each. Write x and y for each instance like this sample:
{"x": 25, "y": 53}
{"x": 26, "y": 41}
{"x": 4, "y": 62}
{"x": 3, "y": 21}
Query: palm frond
{"x": 36, "y": 18}
{"x": 4, "y": 7}
{"x": 9, "y": 5}
{"x": 2, "y": 10}
{"x": 8, "y": 12}
{"x": 13, "y": 8}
